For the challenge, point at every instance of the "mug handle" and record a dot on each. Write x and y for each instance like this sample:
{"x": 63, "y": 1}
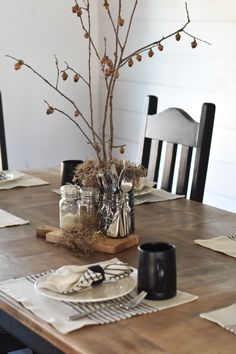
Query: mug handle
{"x": 161, "y": 276}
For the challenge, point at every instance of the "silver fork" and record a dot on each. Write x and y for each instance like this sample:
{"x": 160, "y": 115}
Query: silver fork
{"x": 127, "y": 306}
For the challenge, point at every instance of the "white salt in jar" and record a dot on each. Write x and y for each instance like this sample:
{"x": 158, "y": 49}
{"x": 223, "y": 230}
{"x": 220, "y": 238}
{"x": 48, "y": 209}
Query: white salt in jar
{"x": 68, "y": 207}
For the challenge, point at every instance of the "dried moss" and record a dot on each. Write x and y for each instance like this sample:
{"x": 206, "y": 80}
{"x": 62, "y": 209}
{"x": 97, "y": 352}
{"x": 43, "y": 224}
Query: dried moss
{"x": 80, "y": 240}
{"x": 85, "y": 173}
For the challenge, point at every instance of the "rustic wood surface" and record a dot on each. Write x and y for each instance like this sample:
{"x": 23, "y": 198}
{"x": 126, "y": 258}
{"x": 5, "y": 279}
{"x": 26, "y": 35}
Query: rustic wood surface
{"x": 200, "y": 271}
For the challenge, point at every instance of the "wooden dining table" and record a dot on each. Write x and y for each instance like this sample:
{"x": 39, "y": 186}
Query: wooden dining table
{"x": 200, "y": 271}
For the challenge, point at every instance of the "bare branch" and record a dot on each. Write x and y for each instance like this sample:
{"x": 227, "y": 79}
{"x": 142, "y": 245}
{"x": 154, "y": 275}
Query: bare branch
{"x": 92, "y": 42}
{"x": 154, "y": 44}
{"x": 110, "y": 66}
{"x": 58, "y": 71}
{"x": 56, "y": 89}
{"x": 113, "y": 25}
{"x": 130, "y": 22}
{"x": 78, "y": 126}
{"x": 89, "y": 70}
{"x": 76, "y": 72}
{"x": 196, "y": 38}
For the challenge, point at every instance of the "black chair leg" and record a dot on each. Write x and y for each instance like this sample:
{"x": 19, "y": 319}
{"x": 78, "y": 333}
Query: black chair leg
{"x": 9, "y": 343}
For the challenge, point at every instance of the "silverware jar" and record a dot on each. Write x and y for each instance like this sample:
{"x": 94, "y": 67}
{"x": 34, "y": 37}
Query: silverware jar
{"x": 115, "y": 215}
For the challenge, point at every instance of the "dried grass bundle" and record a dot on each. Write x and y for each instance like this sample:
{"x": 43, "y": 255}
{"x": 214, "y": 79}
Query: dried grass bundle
{"x": 80, "y": 240}
{"x": 85, "y": 173}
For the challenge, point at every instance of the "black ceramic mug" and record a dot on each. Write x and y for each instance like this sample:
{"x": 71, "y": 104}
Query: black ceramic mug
{"x": 67, "y": 170}
{"x": 157, "y": 270}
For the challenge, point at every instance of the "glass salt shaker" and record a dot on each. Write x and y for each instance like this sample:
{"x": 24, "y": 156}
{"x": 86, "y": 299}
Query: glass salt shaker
{"x": 88, "y": 207}
{"x": 68, "y": 207}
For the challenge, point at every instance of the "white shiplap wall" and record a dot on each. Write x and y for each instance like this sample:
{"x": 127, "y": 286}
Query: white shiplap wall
{"x": 181, "y": 76}
{"x": 34, "y": 31}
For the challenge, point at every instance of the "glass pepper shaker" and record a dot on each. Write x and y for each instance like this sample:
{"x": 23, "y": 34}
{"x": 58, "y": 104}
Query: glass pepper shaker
{"x": 88, "y": 207}
{"x": 68, "y": 207}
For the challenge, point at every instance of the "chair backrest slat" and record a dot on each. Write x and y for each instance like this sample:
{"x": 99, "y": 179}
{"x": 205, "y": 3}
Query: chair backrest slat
{"x": 175, "y": 127}
{"x": 158, "y": 160}
{"x": 169, "y": 167}
{"x": 202, "y": 151}
{"x": 184, "y": 170}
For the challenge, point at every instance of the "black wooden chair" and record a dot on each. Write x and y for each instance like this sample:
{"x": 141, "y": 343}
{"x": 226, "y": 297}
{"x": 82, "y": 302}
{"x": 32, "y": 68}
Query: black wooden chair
{"x": 175, "y": 127}
{"x": 3, "y": 149}
{"x": 7, "y": 342}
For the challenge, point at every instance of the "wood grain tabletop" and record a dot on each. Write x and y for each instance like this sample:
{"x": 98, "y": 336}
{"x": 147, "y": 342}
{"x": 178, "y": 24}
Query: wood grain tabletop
{"x": 200, "y": 271}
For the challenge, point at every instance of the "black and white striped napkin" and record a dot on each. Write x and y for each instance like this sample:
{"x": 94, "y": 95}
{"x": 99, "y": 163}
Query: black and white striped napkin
{"x": 72, "y": 278}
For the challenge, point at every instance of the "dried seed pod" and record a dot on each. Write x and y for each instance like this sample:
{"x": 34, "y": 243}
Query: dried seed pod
{"x": 17, "y": 66}
{"x": 194, "y": 43}
{"x": 76, "y": 113}
{"x": 50, "y": 110}
{"x": 64, "y": 76}
{"x": 76, "y": 78}
{"x": 177, "y": 36}
{"x": 160, "y": 47}
{"x": 138, "y": 57}
{"x": 104, "y": 59}
{"x": 130, "y": 62}
{"x": 150, "y": 53}
{"x": 109, "y": 63}
{"x": 120, "y": 21}
{"x": 122, "y": 149}
{"x": 107, "y": 73}
{"x": 79, "y": 11}
{"x": 106, "y": 4}
{"x": 74, "y": 8}
{"x": 86, "y": 35}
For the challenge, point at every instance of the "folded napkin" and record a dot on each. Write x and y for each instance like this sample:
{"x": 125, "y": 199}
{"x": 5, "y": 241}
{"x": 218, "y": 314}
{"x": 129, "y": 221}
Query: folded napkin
{"x": 224, "y": 317}
{"x": 19, "y": 179}
{"x": 7, "y": 219}
{"x": 23, "y": 290}
{"x": 153, "y": 195}
{"x": 223, "y": 244}
{"x": 71, "y": 278}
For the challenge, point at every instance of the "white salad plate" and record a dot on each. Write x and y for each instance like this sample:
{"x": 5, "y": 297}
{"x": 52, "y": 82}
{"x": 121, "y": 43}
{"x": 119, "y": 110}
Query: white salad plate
{"x": 103, "y": 292}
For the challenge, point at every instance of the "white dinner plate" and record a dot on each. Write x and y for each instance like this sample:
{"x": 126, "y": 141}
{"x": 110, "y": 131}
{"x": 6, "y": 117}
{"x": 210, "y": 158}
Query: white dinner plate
{"x": 103, "y": 292}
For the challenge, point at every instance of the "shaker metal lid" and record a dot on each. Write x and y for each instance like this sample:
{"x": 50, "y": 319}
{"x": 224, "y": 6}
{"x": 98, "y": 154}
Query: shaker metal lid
{"x": 69, "y": 190}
